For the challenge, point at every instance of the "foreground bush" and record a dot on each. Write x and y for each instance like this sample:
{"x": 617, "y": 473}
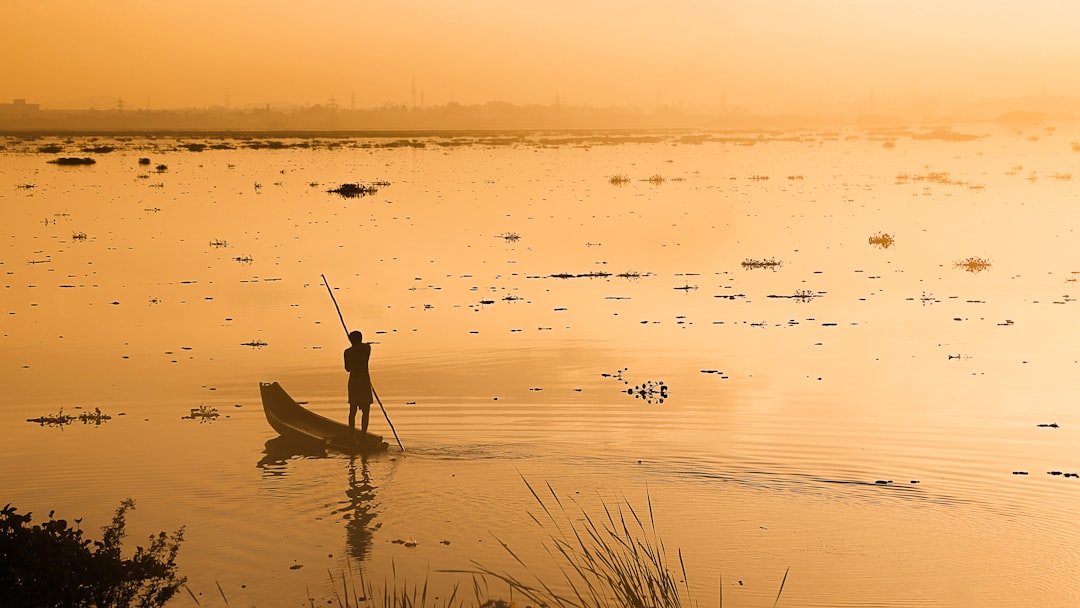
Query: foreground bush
{"x": 52, "y": 565}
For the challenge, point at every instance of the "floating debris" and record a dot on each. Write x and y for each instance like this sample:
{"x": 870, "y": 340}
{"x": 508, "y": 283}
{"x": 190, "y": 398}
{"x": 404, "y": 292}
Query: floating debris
{"x": 408, "y": 542}
{"x": 203, "y": 413}
{"x": 244, "y": 259}
{"x": 1051, "y": 425}
{"x": 619, "y": 180}
{"x": 655, "y": 179}
{"x": 509, "y": 237}
{"x": 219, "y": 243}
{"x": 354, "y": 190}
{"x": 78, "y": 236}
{"x": 255, "y": 344}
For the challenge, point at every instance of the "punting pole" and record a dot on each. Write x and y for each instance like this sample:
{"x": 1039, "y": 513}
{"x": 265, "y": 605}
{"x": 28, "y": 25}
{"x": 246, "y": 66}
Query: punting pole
{"x": 346, "y": 328}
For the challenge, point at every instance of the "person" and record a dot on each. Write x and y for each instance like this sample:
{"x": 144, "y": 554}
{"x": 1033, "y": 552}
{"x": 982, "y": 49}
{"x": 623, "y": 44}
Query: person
{"x": 356, "y": 363}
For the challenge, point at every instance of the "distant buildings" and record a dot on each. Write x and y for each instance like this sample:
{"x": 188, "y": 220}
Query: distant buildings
{"x": 19, "y": 107}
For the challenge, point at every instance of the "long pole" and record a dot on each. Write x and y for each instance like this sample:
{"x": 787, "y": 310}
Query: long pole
{"x": 346, "y": 328}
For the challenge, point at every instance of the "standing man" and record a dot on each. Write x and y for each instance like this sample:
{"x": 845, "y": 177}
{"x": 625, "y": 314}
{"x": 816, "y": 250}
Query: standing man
{"x": 356, "y": 363}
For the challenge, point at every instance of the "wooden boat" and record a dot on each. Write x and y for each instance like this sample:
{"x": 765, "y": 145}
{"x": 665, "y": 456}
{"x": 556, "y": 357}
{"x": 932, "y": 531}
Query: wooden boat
{"x": 294, "y": 422}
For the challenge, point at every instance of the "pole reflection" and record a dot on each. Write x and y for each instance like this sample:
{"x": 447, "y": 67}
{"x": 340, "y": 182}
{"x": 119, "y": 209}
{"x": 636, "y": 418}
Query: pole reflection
{"x": 359, "y": 512}
{"x": 358, "y": 509}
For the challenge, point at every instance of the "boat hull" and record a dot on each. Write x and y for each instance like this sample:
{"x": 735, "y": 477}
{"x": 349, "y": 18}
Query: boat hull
{"x": 292, "y": 421}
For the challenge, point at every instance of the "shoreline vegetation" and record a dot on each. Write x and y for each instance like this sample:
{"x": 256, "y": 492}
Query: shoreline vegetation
{"x": 615, "y": 560}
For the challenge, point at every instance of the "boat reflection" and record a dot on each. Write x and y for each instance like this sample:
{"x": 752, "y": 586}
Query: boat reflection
{"x": 279, "y": 450}
{"x": 358, "y": 509}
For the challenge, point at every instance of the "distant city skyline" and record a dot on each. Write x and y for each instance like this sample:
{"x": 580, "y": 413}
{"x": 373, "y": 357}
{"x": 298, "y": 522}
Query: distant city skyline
{"x": 770, "y": 57}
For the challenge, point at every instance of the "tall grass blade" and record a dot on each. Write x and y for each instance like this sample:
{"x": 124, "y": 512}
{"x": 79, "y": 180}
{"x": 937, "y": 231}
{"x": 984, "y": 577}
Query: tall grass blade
{"x": 192, "y": 594}
{"x": 784, "y": 580}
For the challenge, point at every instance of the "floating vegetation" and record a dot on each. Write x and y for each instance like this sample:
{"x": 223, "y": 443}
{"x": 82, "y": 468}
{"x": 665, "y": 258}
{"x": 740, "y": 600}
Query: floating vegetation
{"x": 72, "y": 160}
{"x": 203, "y": 413}
{"x": 772, "y": 263}
{"x": 1062, "y": 177}
{"x": 354, "y": 190}
{"x": 686, "y": 287}
{"x": 98, "y": 149}
{"x": 619, "y": 180}
{"x": 57, "y": 419}
{"x": 144, "y": 161}
{"x": 509, "y": 237}
{"x": 194, "y": 147}
{"x": 96, "y": 417}
{"x": 598, "y": 274}
{"x": 244, "y": 259}
{"x": 882, "y": 239}
{"x": 51, "y": 149}
{"x": 161, "y": 168}
{"x": 655, "y": 179}
{"x": 759, "y": 178}
{"x": 219, "y": 243}
{"x": 650, "y": 392}
{"x": 801, "y": 295}
{"x": 25, "y": 186}
{"x": 795, "y": 177}
{"x": 933, "y": 177}
{"x": 78, "y": 236}
{"x": 629, "y": 274}
{"x": 255, "y": 344}
{"x": 973, "y": 264}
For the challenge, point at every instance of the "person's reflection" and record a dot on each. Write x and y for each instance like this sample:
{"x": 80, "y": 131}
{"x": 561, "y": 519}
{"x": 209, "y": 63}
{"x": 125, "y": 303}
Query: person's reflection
{"x": 359, "y": 511}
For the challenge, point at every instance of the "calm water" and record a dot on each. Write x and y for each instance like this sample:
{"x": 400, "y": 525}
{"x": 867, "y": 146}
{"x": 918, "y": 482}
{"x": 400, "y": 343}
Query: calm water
{"x": 858, "y": 413}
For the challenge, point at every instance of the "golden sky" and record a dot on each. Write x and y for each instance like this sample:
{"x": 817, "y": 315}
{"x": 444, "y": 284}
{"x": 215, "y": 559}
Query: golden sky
{"x": 759, "y": 54}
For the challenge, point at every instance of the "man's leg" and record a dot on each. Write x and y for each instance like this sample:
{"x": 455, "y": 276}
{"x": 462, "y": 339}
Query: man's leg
{"x": 366, "y": 408}
{"x": 352, "y": 416}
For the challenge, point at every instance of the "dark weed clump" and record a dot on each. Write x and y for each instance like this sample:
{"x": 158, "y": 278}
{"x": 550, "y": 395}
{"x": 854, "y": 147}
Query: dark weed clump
{"x": 883, "y": 240}
{"x": 354, "y": 190}
{"x": 973, "y": 264}
{"x": 751, "y": 263}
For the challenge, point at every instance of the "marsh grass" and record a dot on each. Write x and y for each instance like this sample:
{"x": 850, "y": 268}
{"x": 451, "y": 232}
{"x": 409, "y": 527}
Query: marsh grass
{"x": 617, "y": 560}
{"x": 393, "y": 594}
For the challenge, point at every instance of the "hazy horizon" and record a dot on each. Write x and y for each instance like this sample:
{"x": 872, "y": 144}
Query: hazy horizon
{"x": 781, "y": 56}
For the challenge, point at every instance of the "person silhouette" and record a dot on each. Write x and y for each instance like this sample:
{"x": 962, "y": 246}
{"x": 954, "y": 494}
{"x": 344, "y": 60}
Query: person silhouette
{"x": 356, "y": 363}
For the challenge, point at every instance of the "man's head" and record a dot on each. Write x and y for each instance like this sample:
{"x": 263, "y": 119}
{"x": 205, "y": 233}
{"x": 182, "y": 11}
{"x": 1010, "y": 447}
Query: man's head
{"x": 356, "y": 337}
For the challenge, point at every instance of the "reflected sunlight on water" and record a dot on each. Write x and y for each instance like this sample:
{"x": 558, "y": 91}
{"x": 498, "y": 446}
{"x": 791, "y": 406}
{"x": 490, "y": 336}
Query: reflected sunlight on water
{"x": 868, "y": 415}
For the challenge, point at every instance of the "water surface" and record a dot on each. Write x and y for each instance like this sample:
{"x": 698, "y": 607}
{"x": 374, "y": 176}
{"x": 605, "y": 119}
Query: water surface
{"x": 858, "y": 413}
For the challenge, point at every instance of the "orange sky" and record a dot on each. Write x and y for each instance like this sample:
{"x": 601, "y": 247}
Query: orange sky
{"x": 763, "y": 55}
